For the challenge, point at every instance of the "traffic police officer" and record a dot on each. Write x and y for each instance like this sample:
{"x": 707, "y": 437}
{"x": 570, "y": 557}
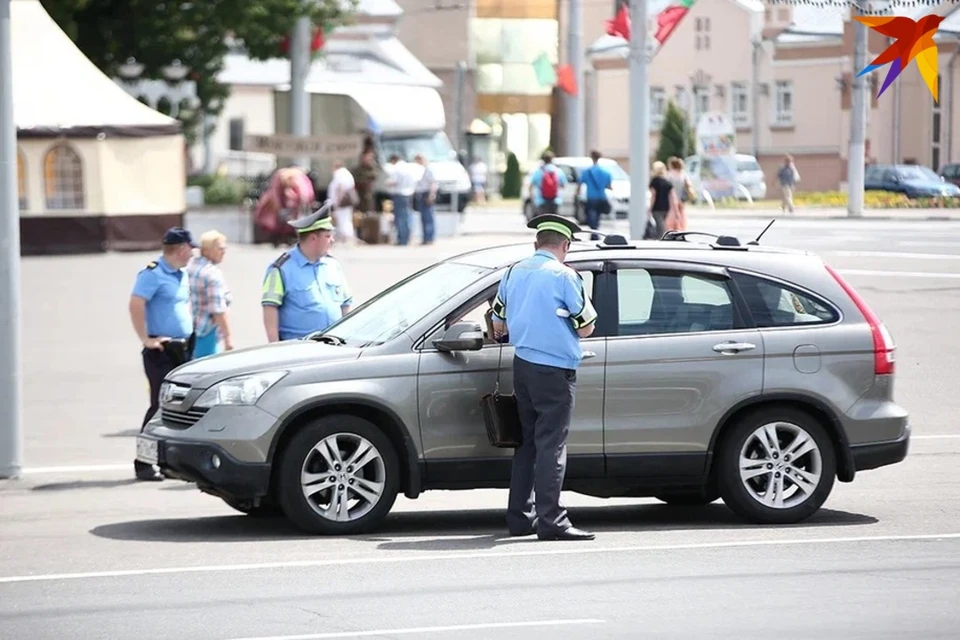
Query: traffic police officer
{"x": 305, "y": 290}
{"x": 542, "y": 305}
{"x": 161, "y": 316}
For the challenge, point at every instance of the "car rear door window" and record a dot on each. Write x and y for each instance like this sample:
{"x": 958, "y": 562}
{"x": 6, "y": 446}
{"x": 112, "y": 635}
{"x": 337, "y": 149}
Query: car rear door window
{"x": 658, "y": 302}
{"x": 773, "y": 304}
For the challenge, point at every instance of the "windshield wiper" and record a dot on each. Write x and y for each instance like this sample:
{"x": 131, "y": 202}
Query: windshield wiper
{"x": 329, "y": 339}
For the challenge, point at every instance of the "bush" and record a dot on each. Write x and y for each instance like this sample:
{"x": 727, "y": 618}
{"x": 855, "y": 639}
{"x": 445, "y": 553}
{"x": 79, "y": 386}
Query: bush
{"x": 224, "y": 191}
{"x": 512, "y": 180}
{"x": 200, "y": 181}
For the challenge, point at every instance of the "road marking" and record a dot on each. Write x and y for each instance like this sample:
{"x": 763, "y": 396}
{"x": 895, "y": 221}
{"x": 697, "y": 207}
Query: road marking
{"x": 948, "y": 436}
{"x": 897, "y": 274}
{"x": 894, "y": 254}
{"x": 558, "y": 551}
{"x": 78, "y": 468}
{"x": 460, "y": 627}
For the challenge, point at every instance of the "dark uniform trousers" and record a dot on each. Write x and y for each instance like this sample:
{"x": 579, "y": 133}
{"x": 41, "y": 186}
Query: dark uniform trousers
{"x": 545, "y": 397}
{"x": 157, "y": 363}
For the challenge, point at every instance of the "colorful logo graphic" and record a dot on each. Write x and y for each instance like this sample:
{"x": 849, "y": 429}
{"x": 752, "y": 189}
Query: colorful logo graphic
{"x": 914, "y": 40}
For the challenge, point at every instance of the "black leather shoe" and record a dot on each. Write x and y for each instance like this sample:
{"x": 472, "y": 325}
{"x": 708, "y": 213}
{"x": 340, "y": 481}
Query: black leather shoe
{"x": 570, "y": 533}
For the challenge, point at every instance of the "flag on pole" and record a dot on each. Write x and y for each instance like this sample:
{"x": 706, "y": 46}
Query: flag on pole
{"x": 669, "y": 19}
{"x": 620, "y": 25}
{"x": 544, "y": 71}
{"x": 566, "y": 80}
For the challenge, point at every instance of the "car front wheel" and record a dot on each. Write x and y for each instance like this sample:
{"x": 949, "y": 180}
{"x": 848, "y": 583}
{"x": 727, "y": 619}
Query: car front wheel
{"x": 339, "y": 475}
{"x": 776, "y": 466}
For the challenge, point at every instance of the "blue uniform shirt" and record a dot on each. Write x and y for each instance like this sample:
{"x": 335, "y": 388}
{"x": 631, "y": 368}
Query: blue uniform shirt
{"x": 598, "y": 180}
{"x": 310, "y": 295}
{"x": 537, "y": 178}
{"x": 528, "y": 299}
{"x": 167, "y": 292}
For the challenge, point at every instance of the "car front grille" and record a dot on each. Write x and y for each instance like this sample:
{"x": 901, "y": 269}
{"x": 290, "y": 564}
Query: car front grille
{"x": 181, "y": 419}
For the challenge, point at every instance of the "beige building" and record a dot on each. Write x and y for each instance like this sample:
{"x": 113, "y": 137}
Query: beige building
{"x": 804, "y": 58}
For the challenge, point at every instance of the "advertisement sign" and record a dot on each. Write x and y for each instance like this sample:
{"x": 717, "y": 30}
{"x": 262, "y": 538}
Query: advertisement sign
{"x": 716, "y": 145}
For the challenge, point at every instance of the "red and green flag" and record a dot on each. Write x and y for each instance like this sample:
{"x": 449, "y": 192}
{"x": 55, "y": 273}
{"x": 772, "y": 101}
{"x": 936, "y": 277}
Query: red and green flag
{"x": 669, "y": 18}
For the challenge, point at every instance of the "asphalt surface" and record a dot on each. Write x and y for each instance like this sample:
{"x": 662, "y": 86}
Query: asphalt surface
{"x": 86, "y": 552}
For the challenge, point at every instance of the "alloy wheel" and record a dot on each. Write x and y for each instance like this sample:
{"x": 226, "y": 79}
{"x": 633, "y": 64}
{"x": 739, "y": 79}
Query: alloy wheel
{"x": 343, "y": 477}
{"x": 780, "y": 465}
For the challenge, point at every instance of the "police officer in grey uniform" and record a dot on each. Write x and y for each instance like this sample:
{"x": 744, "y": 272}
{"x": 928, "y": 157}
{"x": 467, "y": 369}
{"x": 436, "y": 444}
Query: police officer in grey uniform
{"x": 542, "y": 305}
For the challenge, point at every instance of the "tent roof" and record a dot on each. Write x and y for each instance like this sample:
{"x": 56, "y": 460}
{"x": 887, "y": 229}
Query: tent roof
{"x": 58, "y": 91}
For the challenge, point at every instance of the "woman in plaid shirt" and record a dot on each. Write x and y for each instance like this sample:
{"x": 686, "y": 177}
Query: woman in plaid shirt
{"x": 210, "y": 296}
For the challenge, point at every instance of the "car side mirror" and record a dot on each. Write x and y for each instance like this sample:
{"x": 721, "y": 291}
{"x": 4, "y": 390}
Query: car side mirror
{"x": 462, "y": 336}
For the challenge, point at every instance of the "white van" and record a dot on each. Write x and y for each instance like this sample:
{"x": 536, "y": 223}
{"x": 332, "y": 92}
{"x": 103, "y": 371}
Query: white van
{"x": 749, "y": 174}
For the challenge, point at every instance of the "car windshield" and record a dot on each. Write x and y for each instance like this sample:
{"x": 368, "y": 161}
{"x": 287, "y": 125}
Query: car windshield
{"x": 616, "y": 171}
{"x": 917, "y": 173}
{"x": 748, "y": 165}
{"x": 434, "y": 147}
{"x": 394, "y": 310}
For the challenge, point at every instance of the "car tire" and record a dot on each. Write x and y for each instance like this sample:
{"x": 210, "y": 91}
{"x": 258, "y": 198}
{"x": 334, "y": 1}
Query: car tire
{"x": 263, "y": 510}
{"x": 380, "y": 469}
{"x": 746, "y": 491}
{"x": 528, "y": 211}
{"x": 691, "y": 498}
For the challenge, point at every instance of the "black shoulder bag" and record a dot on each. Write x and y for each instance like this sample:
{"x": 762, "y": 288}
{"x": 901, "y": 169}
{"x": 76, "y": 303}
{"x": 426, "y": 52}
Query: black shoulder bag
{"x": 500, "y": 414}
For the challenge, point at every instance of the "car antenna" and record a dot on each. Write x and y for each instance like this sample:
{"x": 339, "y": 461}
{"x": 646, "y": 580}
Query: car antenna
{"x": 757, "y": 240}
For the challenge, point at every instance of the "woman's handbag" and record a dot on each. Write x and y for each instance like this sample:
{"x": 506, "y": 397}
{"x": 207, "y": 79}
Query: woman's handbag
{"x": 500, "y": 414}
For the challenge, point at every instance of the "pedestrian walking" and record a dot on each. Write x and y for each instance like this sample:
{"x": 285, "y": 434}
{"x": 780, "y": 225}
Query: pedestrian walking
{"x": 160, "y": 313}
{"x": 401, "y": 185}
{"x": 478, "y": 177}
{"x": 542, "y": 305}
{"x": 343, "y": 192}
{"x": 788, "y": 177}
{"x": 597, "y": 180}
{"x": 425, "y": 197}
{"x": 210, "y": 296}
{"x": 547, "y": 182}
{"x": 664, "y": 198}
{"x": 683, "y": 187}
{"x": 305, "y": 289}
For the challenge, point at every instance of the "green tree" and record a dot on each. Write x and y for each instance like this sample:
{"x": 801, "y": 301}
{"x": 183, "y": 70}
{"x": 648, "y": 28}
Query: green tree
{"x": 196, "y": 32}
{"x": 512, "y": 180}
{"x": 671, "y": 135}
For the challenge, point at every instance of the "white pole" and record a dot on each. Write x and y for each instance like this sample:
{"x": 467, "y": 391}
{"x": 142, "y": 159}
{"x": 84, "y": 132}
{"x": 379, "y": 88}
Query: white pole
{"x": 639, "y": 119}
{"x": 575, "y": 112}
{"x": 858, "y": 121}
{"x": 299, "y": 68}
{"x": 11, "y": 390}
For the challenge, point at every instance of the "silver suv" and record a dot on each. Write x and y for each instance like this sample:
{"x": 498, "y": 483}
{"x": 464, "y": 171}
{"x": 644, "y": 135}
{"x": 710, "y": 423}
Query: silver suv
{"x": 717, "y": 370}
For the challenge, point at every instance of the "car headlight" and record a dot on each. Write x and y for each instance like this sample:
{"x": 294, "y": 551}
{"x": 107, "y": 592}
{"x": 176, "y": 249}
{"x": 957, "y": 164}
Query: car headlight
{"x": 242, "y": 390}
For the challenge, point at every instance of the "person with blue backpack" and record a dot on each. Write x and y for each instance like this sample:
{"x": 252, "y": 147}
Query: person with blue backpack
{"x": 597, "y": 180}
{"x": 547, "y": 181}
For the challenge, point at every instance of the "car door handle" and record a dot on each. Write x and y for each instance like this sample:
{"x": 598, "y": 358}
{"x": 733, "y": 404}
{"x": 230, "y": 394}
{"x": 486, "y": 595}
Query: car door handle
{"x": 733, "y": 347}
{"x": 589, "y": 354}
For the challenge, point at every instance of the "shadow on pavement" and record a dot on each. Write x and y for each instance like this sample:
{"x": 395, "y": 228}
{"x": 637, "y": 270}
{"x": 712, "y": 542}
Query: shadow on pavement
{"x": 126, "y": 433}
{"x": 458, "y": 530}
{"x": 84, "y": 484}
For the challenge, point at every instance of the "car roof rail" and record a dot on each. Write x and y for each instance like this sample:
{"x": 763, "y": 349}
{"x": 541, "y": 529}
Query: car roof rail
{"x": 720, "y": 241}
{"x": 609, "y": 240}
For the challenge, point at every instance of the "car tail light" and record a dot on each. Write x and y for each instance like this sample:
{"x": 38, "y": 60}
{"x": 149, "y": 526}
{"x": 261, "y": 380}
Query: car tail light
{"x": 883, "y": 345}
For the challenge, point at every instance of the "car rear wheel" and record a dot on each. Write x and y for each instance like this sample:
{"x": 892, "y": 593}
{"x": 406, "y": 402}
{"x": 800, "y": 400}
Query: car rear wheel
{"x": 338, "y": 476}
{"x": 691, "y": 498}
{"x": 776, "y": 466}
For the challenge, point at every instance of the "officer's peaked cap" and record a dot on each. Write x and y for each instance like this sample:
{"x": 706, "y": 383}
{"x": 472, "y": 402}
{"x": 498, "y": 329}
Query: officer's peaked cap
{"x": 319, "y": 219}
{"x": 178, "y": 235}
{"x": 553, "y": 222}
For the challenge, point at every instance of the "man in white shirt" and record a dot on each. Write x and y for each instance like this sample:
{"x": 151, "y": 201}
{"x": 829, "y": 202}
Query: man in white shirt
{"x": 401, "y": 184}
{"x": 342, "y": 191}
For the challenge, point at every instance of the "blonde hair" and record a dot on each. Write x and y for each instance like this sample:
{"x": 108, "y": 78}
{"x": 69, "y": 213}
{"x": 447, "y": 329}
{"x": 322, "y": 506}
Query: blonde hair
{"x": 210, "y": 239}
{"x": 659, "y": 169}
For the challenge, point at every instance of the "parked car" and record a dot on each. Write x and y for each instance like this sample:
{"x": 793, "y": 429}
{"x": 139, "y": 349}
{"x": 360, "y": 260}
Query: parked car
{"x": 747, "y": 172}
{"x": 912, "y": 180}
{"x": 951, "y": 173}
{"x": 575, "y": 193}
{"x": 730, "y": 370}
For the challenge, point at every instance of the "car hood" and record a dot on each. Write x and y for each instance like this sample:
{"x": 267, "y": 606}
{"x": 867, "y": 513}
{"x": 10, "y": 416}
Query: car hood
{"x": 450, "y": 174}
{"x": 208, "y": 371}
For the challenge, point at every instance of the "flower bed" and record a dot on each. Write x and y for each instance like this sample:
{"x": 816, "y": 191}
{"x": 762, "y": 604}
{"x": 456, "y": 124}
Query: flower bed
{"x": 838, "y": 199}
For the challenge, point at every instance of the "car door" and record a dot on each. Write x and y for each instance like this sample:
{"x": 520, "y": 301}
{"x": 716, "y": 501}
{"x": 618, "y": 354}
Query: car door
{"x": 681, "y": 357}
{"x": 450, "y": 385}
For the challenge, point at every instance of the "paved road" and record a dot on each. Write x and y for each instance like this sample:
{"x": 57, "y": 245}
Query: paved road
{"x": 87, "y": 553}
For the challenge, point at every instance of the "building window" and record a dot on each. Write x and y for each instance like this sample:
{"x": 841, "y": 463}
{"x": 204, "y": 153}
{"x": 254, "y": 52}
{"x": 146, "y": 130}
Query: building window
{"x": 658, "y": 106}
{"x": 63, "y": 178}
{"x": 21, "y": 180}
{"x": 236, "y": 134}
{"x": 740, "y": 104}
{"x": 701, "y": 100}
{"x": 784, "y": 103}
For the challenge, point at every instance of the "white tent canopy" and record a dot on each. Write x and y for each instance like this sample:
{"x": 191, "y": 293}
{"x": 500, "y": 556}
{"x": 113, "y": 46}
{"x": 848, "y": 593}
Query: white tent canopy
{"x": 58, "y": 91}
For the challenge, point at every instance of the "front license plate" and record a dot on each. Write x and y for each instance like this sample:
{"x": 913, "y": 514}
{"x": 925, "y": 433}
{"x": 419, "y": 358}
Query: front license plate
{"x": 147, "y": 450}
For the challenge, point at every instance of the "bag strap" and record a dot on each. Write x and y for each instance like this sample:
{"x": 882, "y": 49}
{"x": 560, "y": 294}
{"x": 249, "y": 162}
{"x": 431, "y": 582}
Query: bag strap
{"x": 496, "y": 387}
